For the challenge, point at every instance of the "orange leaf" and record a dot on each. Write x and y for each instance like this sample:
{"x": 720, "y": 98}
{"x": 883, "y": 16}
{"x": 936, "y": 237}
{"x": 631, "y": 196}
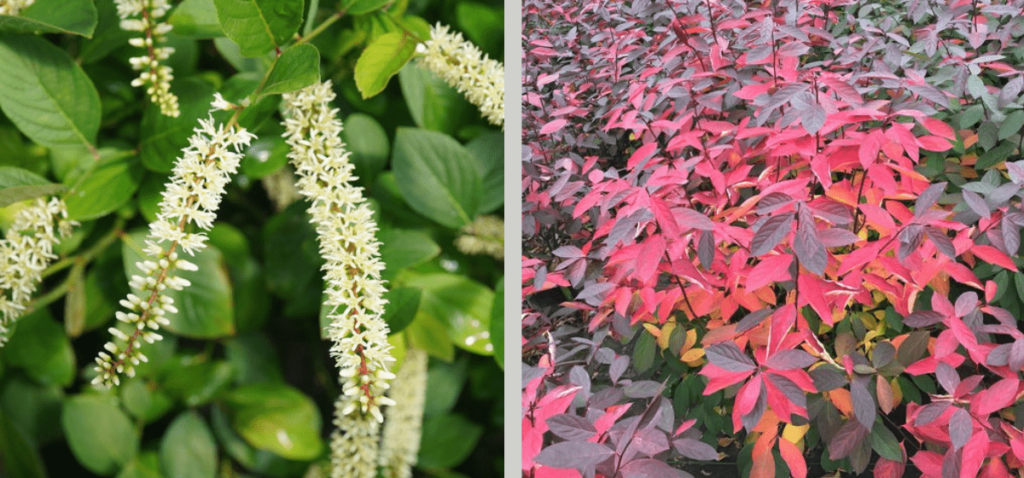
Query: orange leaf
{"x": 794, "y": 459}
{"x": 885, "y": 398}
{"x": 764, "y": 462}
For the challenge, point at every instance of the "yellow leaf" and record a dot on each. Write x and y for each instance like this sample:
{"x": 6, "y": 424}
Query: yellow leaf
{"x": 897, "y": 393}
{"x": 691, "y": 339}
{"x": 653, "y": 329}
{"x": 666, "y": 333}
{"x": 795, "y": 433}
{"x": 692, "y": 355}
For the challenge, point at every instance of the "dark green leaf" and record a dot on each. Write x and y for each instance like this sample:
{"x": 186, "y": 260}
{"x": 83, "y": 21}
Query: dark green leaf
{"x": 196, "y": 383}
{"x": 489, "y": 151}
{"x": 643, "y": 353}
{"x": 33, "y": 409}
{"x": 447, "y": 440}
{"x": 40, "y": 347}
{"x": 498, "y": 323}
{"x": 144, "y": 402}
{"x": 381, "y": 60}
{"x": 437, "y": 176}
{"x": 106, "y": 188}
{"x": 258, "y": 26}
{"x": 45, "y": 94}
{"x": 264, "y": 156}
{"x": 885, "y": 443}
{"x": 403, "y": 302}
{"x": 369, "y": 145}
{"x": 296, "y": 68}
{"x": 99, "y": 433}
{"x": 162, "y": 138}
{"x": 188, "y": 449}
{"x": 75, "y": 17}
{"x": 196, "y": 19}
{"x": 17, "y": 456}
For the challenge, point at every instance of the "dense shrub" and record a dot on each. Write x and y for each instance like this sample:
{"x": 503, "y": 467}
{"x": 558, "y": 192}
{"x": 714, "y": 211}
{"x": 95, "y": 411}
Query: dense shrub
{"x": 785, "y": 232}
{"x": 283, "y": 204}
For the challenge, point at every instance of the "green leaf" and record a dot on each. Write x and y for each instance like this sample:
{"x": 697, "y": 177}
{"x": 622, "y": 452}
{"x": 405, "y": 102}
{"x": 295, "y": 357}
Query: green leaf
{"x": 197, "y": 382}
{"x": 264, "y": 156}
{"x": 403, "y": 302}
{"x": 142, "y": 402}
{"x": 240, "y": 87}
{"x": 99, "y": 433}
{"x": 498, "y": 323}
{"x": 361, "y": 7}
{"x": 45, "y": 94}
{"x": 995, "y": 155}
{"x": 381, "y": 60}
{"x": 465, "y": 305}
{"x": 18, "y": 184}
{"x": 296, "y": 68}
{"x": 106, "y": 188}
{"x": 643, "y": 353}
{"x": 276, "y": 418}
{"x": 188, "y": 449}
{"x": 258, "y": 26}
{"x": 33, "y": 409}
{"x": 74, "y": 17}
{"x": 108, "y": 36}
{"x": 483, "y": 25}
{"x": 162, "y": 138}
{"x": 1011, "y": 125}
{"x": 17, "y": 456}
{"x": 40, "y": 347}
{"x": 430, "y": 333}
{"x": 291, "y": 256}
{"x": 369, "y": 145}
{"x": 401, "y": 248}
{"x": 885, "y": 443}
{"x": 196, "y": 19}
{"x": 437, "y": 176}
{"x": 205, "y": 308}
{"x": 254, "y": 358}
{"x": 146, "y": 465}
{"x": 447, "y": 441}
{"x": 445, "y": 382}
{"x": 489, "y": 151}
{"x": 433, "y": 104}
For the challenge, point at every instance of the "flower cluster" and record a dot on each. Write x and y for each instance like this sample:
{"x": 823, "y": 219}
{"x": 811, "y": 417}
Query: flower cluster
{"x": 25, "y": 252}
{"x": 155, "y": 76}
{"x": 14, "y": 7}
{"x": 354, "y": 444}
{"x": 463, "y": 66}
{"x": 485, "y": 235}
{"x": 401, "y": 438}
{"x": 192, "y": 196}
{"x": 346, "y": 230}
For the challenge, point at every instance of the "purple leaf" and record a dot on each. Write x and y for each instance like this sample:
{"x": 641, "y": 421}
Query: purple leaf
{"x": 1016, "y": 359}
{"x": 827, "y": 378}
{"x": 772, "y": 201}
{"x": 728, "y": 356}
{"x": 1011, "y": 236}
{"x": 571, "y": 427}
{"x": 695, "y": 450}
{"x": 649, "y": 468}
{"x": 573, "y": 454}
{"x": 976, "y": 203}
{"x": 941, "y": 241}
{"x": 695, "y": 219}
{"x": 929, "y": 413}
{"x": 649, "y": 442}
{"x": 770, "y": 234}
{"x": 923, "y": 318}
{"x": 960, "y": 428}
{"x": 809, "y": 249}
{"x": 836, "y": 237}
{"x": 844, "y": 441}
{"x": 863, "y": 404}
{"x": 999, "y": 356}
{"x": 790, "y": 360}
{"x": 642, "y": 389}
{"x": 947, "y": 376}
{"x": 928, "y": 198}
{"x": 618, "y": 367}
{"x": 813, "y": 118}
{"x": 752, "y": 319}
{"x": 706, "y": 249}
{"x": 783, "y": 96}
{"x": 966, "y": 303}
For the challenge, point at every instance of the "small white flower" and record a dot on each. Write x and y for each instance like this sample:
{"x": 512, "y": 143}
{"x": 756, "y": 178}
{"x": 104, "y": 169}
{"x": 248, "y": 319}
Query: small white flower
{"x": 354, "y": 444}
{"x": 155, "y": 77}
{"x": 463, "y": 66}
{"x": 485, "y": 235}
{"x": 219, "y": 103}
{"x": 403, "y": 421}
{"x": 191, "y": 197}
{"x": 25, "y": 252}
{"x": 14, "y": 7}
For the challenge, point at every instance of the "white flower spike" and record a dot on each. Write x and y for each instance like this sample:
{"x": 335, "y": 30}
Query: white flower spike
{"x": 155, "y": 77}
{"x": 463, "y": 66}
{"x": 403, "y": 423}
{"x": 192, "y": 196}
{"x": 25, "y": 252}
{"x": 355, "y": 292}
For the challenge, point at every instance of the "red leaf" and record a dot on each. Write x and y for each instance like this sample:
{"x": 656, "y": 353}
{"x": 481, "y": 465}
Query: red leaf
{"x": 764, "y": 462}
{"x": 770, "y": 269}
{"x": 938, "y": 128}
{"x": 747, "y": 396}
{"x": 994, "y": 256}
{"x": 782, "y": 320}
{"x": 651, "y": 252}
{"x": 641, "y": 154}
{"x": 870, "y": 145}
{"x": 553, "y": 126}
{"x": 934, "y": 143}
{"x": 998, "y": 397}
{"x": 793, "y": 458}
{"x": 973, "y": 455}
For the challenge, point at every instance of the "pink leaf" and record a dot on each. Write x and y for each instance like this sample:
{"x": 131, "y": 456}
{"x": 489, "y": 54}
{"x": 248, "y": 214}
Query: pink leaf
{"x": 553, "y": 126}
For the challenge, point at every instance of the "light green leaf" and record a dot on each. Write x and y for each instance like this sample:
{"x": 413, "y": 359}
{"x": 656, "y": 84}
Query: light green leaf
{"x": 240, "y": 87}
{"x": 75, "y": 17}
{"x": 489, "y": 151}
{"x": 18, "y": 184}
{"x": 296, "y": 68}
{"x": 464, "y": 304}
{"x": 205, "y": 308}
{"x": 498, "y": 323}
{"x": 196, "y": 19}
{"x": 430, "y": 333}
{"x": 40, "y": 347}
{"x": 99, "y": 433}
{"x": 103, "y": 190}
{"x": 258, "y": 26}
{"x": 437, "y": 176}
{"x": 162, "y": 138}
{"x": 264, "y": 156}
{"x": 276, "y": 418}
{"x": 146, "y": 465}
{"x": 45, "y": 94}
{"x": 188, "y": 449}
{"x": 483, "y": 25}
{"x": 381, "y": 60}
{"x": 433, "y": 104}
{"x": 369, "y": 145}
{"x": 361, "y": 7}
{"x": 447, "y": 441}
{"x": 143, "y": 402}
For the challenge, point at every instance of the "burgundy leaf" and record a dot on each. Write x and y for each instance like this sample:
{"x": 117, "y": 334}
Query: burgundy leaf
{"x": 772, "y": 201}
{"x": 618, "y": 367}
{"x": 923, "y": 318}
{"x": 573, "y": 454}
{"x": 1011, "y": 235}
{"x": 706, "y": 249}
{"x": 694, "y": 219}
{"x": 827, "y": 378}
{"x": 695, "y": 450}
{"x": 836, "y": 237}
{"x": 728, "y": 356}
{"x": 960, "y": 428}
{"x": 571, "y": 427}
{"x": 642, "y": 389}
{"x": 848, "y": 437}
{"x": 770, "y": 234}
{"x": 649, "y": 442}
{"x": 910, "y": 240}
{"x": 783, "y": 96}
{"x": 790, "y": 360}
{"x": 999, "y": 356}
{"x": 809, "y": 249}
{"x": 753, "y": 319}
{"x": 864, "y": 407}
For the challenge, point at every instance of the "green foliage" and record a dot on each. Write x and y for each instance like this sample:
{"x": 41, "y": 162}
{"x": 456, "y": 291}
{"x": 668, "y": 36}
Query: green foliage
{"x": 242, "y": 383}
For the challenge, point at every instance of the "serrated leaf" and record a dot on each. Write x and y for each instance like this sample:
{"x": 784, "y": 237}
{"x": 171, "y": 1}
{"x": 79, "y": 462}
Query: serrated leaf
{"x": 46, "y": 94}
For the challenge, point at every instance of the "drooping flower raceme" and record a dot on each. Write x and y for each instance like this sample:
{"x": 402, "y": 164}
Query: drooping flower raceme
{"x": 485, "y": 235}
{"x": 25, "y": 252}
{"x": 403, "y": 421}
{"x": 155, "y": 77}
{"x": 463, "y": 66}
{"x": 192, "y": 197}
{"x": 14, "y": 7}
{"x": 355, "y": 292}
